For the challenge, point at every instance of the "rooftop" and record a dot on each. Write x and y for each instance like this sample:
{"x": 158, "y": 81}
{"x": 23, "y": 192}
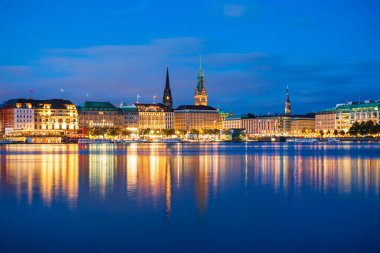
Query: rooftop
{"x": 97, "y": 106}
{"x": 195, "y": 107}
{"x": 37, "y": 103}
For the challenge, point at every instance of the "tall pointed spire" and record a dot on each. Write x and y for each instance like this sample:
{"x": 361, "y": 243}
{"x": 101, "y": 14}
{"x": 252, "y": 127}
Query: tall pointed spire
{"x": 200, "y": 96}
{"x": 167, "y": 99}
{"x": 287, "y": 103}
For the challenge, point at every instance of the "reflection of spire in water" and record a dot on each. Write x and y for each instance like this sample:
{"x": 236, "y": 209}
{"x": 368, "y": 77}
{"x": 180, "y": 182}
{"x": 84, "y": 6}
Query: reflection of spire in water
{"x": 201, "y": 183}
{"x": 168, "y": 188}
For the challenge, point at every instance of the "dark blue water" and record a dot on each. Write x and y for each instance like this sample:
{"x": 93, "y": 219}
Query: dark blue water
{"x": 255, "y": 197}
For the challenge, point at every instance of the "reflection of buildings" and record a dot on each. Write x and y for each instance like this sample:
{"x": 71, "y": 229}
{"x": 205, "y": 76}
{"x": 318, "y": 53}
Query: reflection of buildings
{"x": 54, "y": 173}
{"x": 101, "y": 166}
{"x": 157, "y": 175}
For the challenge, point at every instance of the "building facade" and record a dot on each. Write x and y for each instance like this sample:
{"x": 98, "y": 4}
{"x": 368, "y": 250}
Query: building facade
{"x": 130, "y": 115}
{"x": 301, "y": 123}
{"x": 325, "y": 120}
{"x": 197, "y": 117}
{"x": 99, "y": 115}
{"x": 348, "y": 114}
{"x": 233, "y": 122}
{"x": 261, "y": 126}
{"x": 45, "y": 117}
{"x": 151, "y": 116}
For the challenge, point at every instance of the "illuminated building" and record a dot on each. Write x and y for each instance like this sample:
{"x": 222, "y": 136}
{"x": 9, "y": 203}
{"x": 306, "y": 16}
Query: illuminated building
{"x": 198, "y": 117}
{"x": 325, "y": 120}
{"x": 96, "y": 115}
{"x": 257, "y": 125}
{"x": 55, "y": 115}
{"x": 131, "y": 116}
{"x": 29, "y": 116}
{"x": 344, "y": 115}
{"x": 232, "y": 122}
{"x": 352, "y": 112}
{"x": 302, "y": 122}
{"x": 18, "y": 115}
{"x": 151, "y": 116}
{"x": 157, "y": 116}
{"x": 261, "y": 125}
{"x": 222, "y": 117}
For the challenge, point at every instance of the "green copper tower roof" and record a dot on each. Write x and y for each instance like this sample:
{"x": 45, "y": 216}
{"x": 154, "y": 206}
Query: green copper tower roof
{"x": 200, "y": 85}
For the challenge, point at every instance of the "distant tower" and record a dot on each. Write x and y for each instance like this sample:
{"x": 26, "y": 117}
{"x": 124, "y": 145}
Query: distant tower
{"x": 287, "y": 103}
{"x": 167, "y": 99}
{"x": 200, "y": 95}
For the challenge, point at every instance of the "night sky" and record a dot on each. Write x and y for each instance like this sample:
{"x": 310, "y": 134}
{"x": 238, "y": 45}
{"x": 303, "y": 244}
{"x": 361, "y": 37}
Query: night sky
{"x": 325, "y": 51}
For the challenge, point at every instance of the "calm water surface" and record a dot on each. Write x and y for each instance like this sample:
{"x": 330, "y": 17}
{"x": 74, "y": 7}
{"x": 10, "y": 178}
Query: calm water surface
{"x": 255, "y": 197}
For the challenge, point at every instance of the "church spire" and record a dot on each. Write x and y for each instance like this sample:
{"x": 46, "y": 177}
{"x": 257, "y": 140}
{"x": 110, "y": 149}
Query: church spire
{"x": 167, "y": 99}
{"x": 200, "y": 96}
{"x": 287, "y": 103}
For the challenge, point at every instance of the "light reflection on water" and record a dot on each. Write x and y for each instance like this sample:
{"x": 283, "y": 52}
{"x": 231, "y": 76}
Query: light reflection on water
{"x": 150, "y": 172}
{"x": 216, "y": 197}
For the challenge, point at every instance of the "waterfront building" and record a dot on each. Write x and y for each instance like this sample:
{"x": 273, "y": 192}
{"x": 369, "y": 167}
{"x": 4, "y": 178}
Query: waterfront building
{"x": 157, "y": 116}
{"x": 222, "y": 117}
{"x": 261, "y": 125}
{"x": 151, "y": 116}
{"x": 352, "y": 112}
{"x": 325, "y": 120}
{"x": 130, "y": 115}
{"x": 200, "y": 95}
{"x": 344, "y": 115}
{"x": 233, "y": 122}
{"x": 198, "y": 117}
{"x": 99, "y": 115}
{"x": 46, "y": 117}
{"x": 55, "y": 115}
{"x": 301, "y": 123}
{"x": 18, "y": 115}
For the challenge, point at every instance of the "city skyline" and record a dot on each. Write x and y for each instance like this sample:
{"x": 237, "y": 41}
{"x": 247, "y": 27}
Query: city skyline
{"x": 114, "y": 52}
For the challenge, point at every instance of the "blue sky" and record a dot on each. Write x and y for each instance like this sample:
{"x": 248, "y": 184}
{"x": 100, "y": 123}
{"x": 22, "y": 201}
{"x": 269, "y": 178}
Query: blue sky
{"x": 326, "y": 51}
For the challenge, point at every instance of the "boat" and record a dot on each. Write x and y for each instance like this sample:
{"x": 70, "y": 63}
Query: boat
{"x": 85, "y": 141}
{"x": 306, "y": 140}
{"x": 6, "y": 142}
{"x": 170, "y": 141}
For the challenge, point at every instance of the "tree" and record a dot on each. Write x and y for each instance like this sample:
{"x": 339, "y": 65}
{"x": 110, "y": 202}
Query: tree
{"x": 321, "y": 133}
{"x": 354, "y": 129}
{"x": 328, "y": 132}
{"x": 335, "y": 132}
{"x": 342, "y": 132}
{"x": 194, "y": 131}
{"x": 126, "y": 132}
{"x": 215, "y": 131}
